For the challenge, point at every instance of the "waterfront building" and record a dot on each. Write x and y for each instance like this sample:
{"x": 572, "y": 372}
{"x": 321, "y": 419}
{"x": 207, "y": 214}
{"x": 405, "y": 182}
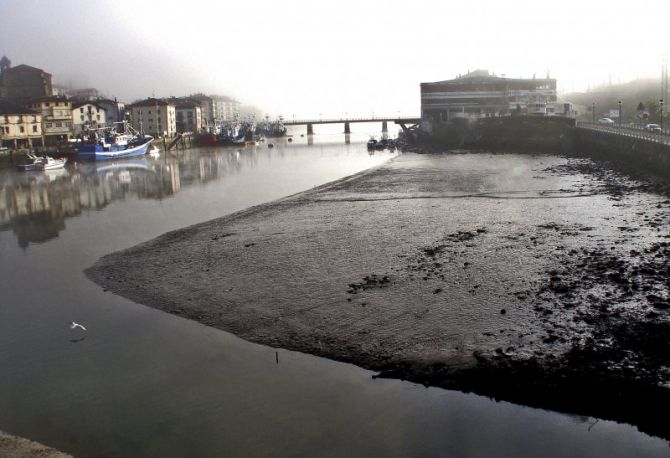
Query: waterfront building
{"x": 56, "y": 118}
{"x": 23, "y": 81}
{"x": 479, "y": 94}
{"x": 207, "y": 108}
{"x": 20, "y": 127}
{"x": 189, "y": 116}
{"x": 87, "y": 115}
{"x": 114, "y": 110}
{"x": 154, "y": 116}
{"x": 225, "y": 108}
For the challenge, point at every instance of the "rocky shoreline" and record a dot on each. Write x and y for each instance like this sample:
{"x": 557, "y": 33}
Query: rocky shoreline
{"x": 535, "y": 279}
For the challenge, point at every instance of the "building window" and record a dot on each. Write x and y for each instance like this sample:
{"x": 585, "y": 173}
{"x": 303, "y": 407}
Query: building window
{"x": 59, "y": 124}
{"x": 7, "y": 130}
{"x": 81, "y": 118}
{"x": 81, "y": 110}
{"x": 23, "y": 129}
{"x": 48, "y": 125}
{"x": 34, "y": 129}
{"x": 98, "y": 116}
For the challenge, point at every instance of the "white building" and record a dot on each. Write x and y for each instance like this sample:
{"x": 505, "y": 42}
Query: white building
{"x": 225, "y": 108}
{"x": 154, "y": 117}
{"x": 87, "y": 115}
{"x": 479, "y": 94}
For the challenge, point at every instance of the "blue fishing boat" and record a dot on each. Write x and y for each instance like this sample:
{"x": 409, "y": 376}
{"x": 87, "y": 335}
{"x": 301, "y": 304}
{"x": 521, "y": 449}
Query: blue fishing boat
{"x": 107, "y": 143}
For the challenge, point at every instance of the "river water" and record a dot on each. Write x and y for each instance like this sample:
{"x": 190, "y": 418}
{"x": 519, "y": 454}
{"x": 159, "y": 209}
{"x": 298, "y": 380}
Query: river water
{"x": 143, "y": 383}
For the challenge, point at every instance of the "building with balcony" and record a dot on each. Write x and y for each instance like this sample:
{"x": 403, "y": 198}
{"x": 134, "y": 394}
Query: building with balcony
{"x": 479, "y": 94}
{"x": 56, "y": 118}
{"x": 20, "y": 127}
{"x": 189, "y": 116}
{"x": 225, "y": 108}
{"x": 154, "y": 117}
{"x": 23, "y": 81}
{"x": 87, "y": 115}
{"x": 207, "y": 108}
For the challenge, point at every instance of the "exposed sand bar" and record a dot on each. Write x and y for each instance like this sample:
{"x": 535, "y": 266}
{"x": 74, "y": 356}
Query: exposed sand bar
{"x": 508, "y": 275}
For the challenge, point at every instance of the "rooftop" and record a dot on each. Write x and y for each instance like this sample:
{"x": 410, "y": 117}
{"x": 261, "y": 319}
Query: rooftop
{"x": 9, "y": 108}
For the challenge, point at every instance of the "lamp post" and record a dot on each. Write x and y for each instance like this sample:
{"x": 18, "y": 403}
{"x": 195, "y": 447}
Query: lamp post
{"x": 661, "y": 121}
{"x": 619, "y": 113}
{"x": 593, "y": 112}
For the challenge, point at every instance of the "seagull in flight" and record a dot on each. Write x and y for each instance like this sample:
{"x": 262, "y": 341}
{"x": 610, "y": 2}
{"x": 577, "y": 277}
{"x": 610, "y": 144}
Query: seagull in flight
{"x": 74, "y": 325}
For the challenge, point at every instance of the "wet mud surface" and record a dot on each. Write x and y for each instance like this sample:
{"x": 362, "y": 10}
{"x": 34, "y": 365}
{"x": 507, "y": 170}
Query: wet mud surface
{"x": 536, "y": 279}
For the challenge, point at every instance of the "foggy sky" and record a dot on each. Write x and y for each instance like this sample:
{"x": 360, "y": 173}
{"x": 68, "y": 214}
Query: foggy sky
{"x": 304, "y": 58}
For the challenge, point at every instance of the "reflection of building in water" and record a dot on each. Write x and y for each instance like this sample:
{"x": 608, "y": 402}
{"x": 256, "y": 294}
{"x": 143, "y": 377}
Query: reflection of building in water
{"x": 35, "y": 206}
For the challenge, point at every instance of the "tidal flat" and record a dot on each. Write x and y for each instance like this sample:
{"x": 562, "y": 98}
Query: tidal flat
{"x": 537, "y": 279}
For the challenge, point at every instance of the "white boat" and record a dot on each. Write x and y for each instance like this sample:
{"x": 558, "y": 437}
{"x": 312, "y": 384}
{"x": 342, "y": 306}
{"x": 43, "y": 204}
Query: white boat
{"x": 42, "y": 164}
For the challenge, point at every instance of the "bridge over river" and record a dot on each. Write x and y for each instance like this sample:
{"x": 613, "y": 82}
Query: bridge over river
{"x": 402, "y": 121}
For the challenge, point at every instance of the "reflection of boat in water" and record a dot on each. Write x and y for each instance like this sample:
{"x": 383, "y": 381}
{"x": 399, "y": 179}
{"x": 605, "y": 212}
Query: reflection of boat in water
{"x": 42, "y": 164}
{"x": 154, "y": 151}
{"x": 107, "y": 143}
{"x": 130, "y": 164}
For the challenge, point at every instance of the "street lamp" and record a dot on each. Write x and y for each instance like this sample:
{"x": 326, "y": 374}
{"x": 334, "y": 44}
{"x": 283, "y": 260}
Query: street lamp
{"x": 593, "y": 112}
{"x": 619, "y": 113}
{"x": 661, "y": 122}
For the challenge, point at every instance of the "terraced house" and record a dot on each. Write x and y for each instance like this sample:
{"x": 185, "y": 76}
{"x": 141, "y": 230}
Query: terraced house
{"x": 56, "y": 114}
{"x": 87, "y": 115}
{"x": 20, "y": 127}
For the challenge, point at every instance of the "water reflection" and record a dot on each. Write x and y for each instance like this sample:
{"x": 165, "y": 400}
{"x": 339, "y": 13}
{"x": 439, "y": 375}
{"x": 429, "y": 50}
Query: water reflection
{"x": 35, "y": 205}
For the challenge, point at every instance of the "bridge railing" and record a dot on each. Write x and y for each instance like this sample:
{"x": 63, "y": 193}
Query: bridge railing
{"x": 629, "y": 131}
{"x": 361, "y": 119}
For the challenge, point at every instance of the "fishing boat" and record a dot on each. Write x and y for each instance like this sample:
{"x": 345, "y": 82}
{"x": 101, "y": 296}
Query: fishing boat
{"x": 42, "y": 164}
{"x": 271, "y": 129}
{"x": 233, "y": 136}
{"x": 107, "y": 143}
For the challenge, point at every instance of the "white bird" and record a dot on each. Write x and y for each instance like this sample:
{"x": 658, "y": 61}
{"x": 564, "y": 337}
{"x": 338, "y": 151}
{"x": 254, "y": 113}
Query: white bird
{"x": 74, "y": 325}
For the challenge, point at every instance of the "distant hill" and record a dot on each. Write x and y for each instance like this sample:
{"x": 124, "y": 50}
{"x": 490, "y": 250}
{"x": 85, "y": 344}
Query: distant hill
{"x": 631, "y": 94}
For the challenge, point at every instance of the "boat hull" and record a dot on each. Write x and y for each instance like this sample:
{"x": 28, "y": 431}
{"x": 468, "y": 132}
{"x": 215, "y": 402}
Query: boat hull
{"x": 99, "y": 154}
{"x": 42, "y": 166}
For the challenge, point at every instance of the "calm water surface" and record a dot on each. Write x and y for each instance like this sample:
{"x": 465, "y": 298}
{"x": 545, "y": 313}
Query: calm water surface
{"x": 144, "y": 383}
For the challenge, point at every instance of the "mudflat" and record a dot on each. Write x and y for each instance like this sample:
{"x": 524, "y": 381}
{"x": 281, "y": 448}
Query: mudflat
{"x": 538, "y": 279}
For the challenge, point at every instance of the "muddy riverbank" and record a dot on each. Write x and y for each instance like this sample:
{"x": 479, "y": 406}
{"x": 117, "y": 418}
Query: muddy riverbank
{"x": 536, "y": 279}
{"x": 17, "y": 447}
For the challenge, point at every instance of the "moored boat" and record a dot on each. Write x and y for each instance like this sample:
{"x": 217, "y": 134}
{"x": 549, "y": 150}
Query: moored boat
{"x": 107, "y": 143}
{"x": 42, "y": 164}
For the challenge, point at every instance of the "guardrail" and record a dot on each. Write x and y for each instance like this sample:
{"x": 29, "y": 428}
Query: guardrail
{"x": 289, "y": 122}
{"x": 662, "y": 137}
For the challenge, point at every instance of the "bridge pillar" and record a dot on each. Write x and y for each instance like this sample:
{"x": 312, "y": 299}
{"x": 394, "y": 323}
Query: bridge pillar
{"x": 347, "y": 129}
{"x": 385, "y": 127}
{"x": 310, "y": 129}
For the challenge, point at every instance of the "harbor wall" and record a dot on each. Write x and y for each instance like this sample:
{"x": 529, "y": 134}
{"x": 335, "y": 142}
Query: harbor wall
{"x": 640, "y": 153}
{"x": 554, "y": 135}
{"x": 522, "y": 134}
